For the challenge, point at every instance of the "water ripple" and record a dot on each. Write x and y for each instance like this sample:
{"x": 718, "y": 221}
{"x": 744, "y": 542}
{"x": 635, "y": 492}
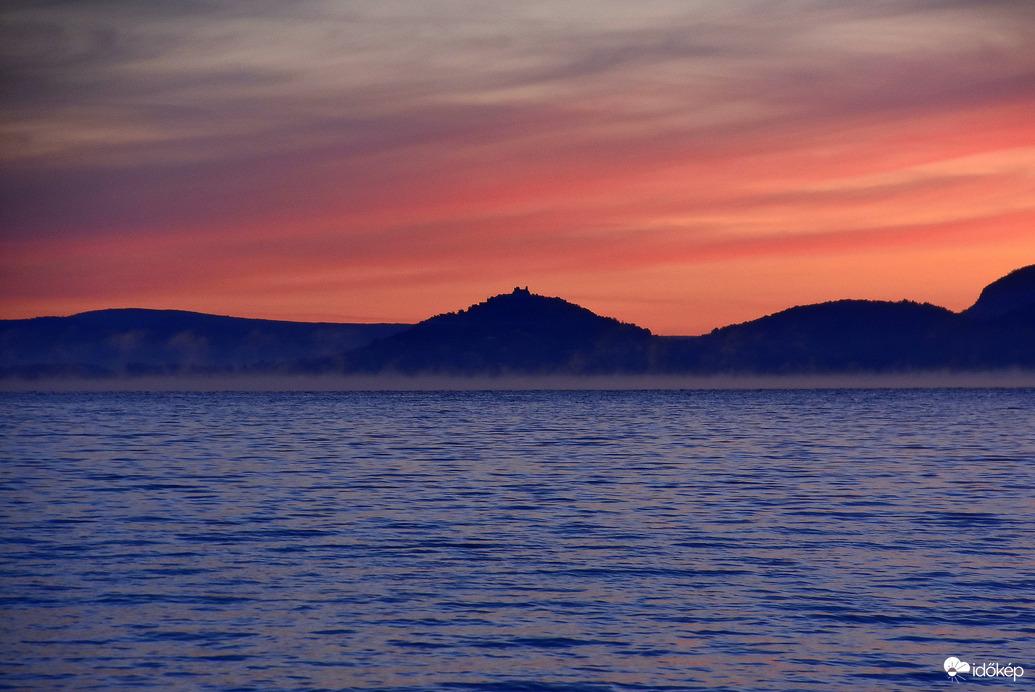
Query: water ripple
{"x": 795, "y": 540}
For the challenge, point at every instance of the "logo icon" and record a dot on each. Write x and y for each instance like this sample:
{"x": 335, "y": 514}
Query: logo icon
{"x": 953, "y": 666}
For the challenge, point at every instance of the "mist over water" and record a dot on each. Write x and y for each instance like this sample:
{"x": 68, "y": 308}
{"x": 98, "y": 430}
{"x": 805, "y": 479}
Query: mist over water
{"x": 524, "y": 540}
{"x": 388, "y": 382}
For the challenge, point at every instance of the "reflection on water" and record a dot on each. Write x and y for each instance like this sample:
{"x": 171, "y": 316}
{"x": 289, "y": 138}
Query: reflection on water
{"x": 788, "y": 540}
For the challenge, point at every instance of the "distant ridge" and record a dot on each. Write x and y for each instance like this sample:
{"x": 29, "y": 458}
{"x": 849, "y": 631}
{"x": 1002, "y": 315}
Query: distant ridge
{"x": 135, "y": 341}
{"x": 522, "y": 333}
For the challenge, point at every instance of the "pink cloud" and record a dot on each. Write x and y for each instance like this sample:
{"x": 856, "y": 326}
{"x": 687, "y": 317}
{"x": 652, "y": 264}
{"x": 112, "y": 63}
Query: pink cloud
{"x": 381, "y": 151}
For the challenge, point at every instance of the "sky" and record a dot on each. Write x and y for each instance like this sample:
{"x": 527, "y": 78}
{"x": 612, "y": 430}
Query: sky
{"x": 680, "y": 164}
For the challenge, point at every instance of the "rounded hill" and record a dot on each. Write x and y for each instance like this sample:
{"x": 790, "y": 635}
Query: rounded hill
{"x": 518, "y": 332}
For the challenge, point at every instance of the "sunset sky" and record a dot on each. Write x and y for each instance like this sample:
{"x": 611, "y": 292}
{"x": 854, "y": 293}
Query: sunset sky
{"x": 678, "y": 164}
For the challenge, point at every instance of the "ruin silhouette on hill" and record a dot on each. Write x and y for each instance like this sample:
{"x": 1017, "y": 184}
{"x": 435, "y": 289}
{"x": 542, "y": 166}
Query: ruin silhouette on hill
{"x": 521, "y": 333}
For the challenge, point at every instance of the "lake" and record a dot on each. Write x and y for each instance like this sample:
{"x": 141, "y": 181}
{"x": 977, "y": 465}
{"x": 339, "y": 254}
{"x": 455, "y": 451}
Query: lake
{"x": 635, "y": 540}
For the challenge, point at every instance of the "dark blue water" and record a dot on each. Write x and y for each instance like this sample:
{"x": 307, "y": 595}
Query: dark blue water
{"x": 784, "y": 540}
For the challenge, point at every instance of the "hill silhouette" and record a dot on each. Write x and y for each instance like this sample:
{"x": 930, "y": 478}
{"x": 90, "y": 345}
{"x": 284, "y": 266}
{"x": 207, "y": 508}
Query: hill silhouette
{"x": 523, "y": 333}
{"x": 1011, "y": 297}
{"x": 853, "y": 336}
{"x": 840, "y": 336}
{"x": 517, "y": 332}
{"x": 526, "y": 333}
{"x": 138, "y": 341}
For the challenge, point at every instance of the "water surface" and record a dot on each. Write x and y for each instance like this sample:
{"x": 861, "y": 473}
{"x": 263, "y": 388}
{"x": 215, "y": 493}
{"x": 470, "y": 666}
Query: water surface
{"x": 725, "y": 540}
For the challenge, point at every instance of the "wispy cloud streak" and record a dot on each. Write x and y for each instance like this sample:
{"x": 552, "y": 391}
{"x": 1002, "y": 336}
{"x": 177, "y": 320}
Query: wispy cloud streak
{"x": 438, "y": 140}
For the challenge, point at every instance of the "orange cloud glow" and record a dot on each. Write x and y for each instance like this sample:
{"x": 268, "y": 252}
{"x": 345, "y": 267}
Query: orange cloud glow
{"x": 679, "y": 167}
